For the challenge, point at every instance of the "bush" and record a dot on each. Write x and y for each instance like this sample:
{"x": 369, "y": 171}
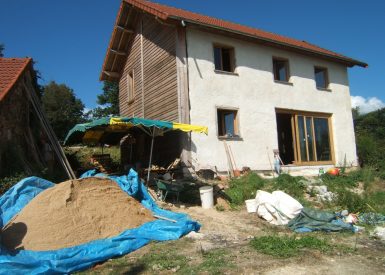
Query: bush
{"x": 375, "y": 202}
{"x": 351, "y": 201}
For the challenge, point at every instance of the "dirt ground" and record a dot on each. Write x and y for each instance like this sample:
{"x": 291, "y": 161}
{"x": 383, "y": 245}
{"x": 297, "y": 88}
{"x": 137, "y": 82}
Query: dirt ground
{"x": 222, "y": 247}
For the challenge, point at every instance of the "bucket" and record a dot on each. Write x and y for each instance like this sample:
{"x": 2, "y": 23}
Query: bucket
{"x": 207, "y": 197}
{"x": 251, "y": 205}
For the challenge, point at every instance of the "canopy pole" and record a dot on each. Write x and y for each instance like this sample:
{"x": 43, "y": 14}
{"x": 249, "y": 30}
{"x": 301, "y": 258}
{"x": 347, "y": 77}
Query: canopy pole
{"x": 149, "y": 163}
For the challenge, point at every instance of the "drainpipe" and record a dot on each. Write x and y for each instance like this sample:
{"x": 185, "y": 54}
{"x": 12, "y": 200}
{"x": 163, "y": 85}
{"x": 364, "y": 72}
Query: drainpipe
{"x": 141, "y": 61}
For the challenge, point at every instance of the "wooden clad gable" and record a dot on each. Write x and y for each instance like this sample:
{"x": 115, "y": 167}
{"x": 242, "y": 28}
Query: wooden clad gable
{"x": 152, "y": 63}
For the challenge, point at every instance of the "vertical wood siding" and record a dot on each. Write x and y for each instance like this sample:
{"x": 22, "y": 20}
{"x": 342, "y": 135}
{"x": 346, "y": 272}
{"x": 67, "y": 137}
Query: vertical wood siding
{"x": 159, "y": 73}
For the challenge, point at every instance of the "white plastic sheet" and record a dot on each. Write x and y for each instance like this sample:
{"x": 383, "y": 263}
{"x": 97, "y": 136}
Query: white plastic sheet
{"x": 277, "y": 208}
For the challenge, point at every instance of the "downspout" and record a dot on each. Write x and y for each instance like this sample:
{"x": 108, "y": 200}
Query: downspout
{"x": 141, "y": 61}
{"x": 187, "y": 72}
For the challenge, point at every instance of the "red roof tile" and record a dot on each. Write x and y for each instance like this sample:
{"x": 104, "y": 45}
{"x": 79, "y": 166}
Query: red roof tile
{"x": 165, "y": 12}
{"x": 10, "y": 71}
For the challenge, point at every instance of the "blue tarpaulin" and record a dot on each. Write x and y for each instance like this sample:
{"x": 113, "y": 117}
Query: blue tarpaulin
{"x": 86, "y": 255}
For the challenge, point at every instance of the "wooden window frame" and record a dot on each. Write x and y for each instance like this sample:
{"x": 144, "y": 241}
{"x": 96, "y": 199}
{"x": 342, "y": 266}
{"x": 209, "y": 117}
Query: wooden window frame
{"x": 232, "y": 58}
{"x": 220, "y": 120}
{"x": 130, "y": 87}
{"x": 287, "y": 66}
{"x": 327, "y": 82}
{"x": 296, "y": 142}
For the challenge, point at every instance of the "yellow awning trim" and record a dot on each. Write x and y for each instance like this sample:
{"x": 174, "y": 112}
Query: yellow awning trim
{"x": 190, "y": 128}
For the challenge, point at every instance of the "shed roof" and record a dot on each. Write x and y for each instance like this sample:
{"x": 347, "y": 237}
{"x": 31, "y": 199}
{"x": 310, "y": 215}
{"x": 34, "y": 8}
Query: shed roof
{"x": 170, "y": 13}
{"x": 10, "y": 71}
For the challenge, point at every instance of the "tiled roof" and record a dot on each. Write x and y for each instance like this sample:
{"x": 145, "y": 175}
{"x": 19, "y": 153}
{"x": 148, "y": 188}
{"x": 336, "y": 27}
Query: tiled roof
{"x": 10, "y": 71}
{"x": 166, "y": 12}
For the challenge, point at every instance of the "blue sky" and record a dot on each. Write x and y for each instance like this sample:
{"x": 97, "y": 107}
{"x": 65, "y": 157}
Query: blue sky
{"x": 68, "y": 39}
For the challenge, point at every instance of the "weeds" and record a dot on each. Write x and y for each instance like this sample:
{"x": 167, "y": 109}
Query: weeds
{"x": 290, "y": 246}
{"x": 164, "y": 261}
{"x": 214, "y": 262}
{"x": 219, "y": 208}
{"x": 290, "y": 185}
{"x": 370, "y": 200}
{"x": 8, "y": 182}
{"x": 244, "y": 188}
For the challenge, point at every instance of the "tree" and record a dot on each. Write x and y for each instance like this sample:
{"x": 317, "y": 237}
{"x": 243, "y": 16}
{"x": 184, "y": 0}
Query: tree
{"x": 109, "y": 100}
{"x": 356, "y": 113}
{"x": 62, "y": 108}
{"x": 2, "y": 50}
{"x": 370, "y": 138}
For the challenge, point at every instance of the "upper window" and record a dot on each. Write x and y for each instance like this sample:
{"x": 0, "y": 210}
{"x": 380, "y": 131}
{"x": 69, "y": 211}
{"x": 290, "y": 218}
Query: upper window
{"x": 321, "y": 77}
{"x": 224, "y": 58}
{"x": 130, "y": 87}
{"x": 227, "y": 123}
{"x": 281, "y": 69}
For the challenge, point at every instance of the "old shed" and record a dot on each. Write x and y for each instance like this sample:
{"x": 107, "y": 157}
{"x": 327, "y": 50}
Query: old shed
{"x": 27, "y": 142}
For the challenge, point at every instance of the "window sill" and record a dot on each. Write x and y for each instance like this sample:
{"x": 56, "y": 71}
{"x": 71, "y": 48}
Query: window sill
{"x": 283, "y": 82}
{"x": 324, "y": 89}
{"x": 225, "y": 72}
{"x": 230, "y": 138}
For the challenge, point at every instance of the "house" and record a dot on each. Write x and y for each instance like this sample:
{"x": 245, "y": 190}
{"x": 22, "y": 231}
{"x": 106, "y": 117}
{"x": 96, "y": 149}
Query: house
{"x": 27, "y": 142}
{"x": 256, "y": 90}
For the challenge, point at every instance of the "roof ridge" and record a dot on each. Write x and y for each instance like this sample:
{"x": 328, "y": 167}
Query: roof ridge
{"x": 212, "y": 17}
{"x": 253, "y": 29}
{"x": 165, "y": 12}
{"x": 148, "y": 5}
{"x": 16, "y": 58}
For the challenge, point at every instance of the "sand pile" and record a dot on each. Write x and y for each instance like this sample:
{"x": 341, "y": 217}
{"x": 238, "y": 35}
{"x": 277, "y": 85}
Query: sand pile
{"x": 72, "y": 213}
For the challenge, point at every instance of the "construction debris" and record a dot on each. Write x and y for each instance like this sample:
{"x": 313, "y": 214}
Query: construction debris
{"x": 316, "y": 186}
{"x": 379, "y": 233}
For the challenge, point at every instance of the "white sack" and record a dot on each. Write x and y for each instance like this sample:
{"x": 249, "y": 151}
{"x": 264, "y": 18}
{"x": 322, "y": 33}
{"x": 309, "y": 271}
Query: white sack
{"x": 277, "y": 208}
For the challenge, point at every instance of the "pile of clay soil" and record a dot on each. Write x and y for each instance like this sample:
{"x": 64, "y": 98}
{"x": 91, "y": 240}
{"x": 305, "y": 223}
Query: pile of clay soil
{"x": 72, "y": 213}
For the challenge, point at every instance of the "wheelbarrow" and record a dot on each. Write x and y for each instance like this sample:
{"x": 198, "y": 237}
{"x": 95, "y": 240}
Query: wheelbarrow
{"x": 165, "y": 187}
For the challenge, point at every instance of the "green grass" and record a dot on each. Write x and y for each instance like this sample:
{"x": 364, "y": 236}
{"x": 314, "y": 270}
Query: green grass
{"x": 372, "y": 199}
{"x": 290, "y": 185}
{"x": 215, "y": 261}
{"x": 349, "y": 180}
{"x": 163, "y": 261}
{"x": 244, "y": 188}
{"x": 162, "y": 257}
{"x": 291, "y": 246}
{"x": 169, "y": 257}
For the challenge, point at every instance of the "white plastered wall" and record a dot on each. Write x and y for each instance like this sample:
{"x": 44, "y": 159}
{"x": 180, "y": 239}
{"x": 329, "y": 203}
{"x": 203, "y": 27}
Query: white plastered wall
{"x": 254, "y": 93}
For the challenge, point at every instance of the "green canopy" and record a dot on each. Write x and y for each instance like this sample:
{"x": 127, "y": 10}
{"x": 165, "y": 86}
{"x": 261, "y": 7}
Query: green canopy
{"x": 108, "y": 129}
{"x": 99, "y": 130}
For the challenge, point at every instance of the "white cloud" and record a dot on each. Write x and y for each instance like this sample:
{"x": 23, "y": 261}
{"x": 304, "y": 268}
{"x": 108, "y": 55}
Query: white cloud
{"x": 367, "y": 105}
{"x": 86, "y": 110}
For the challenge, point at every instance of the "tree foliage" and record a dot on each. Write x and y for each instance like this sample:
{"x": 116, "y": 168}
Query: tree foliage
{"x": 62, "y": 108}
{"x": 109, "y": 101}
{"x": 2, "y": 50}
{"x": 370, "y": 136}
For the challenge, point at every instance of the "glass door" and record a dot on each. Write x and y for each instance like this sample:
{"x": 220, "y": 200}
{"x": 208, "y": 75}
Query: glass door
{"x": 313, "y": 139}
